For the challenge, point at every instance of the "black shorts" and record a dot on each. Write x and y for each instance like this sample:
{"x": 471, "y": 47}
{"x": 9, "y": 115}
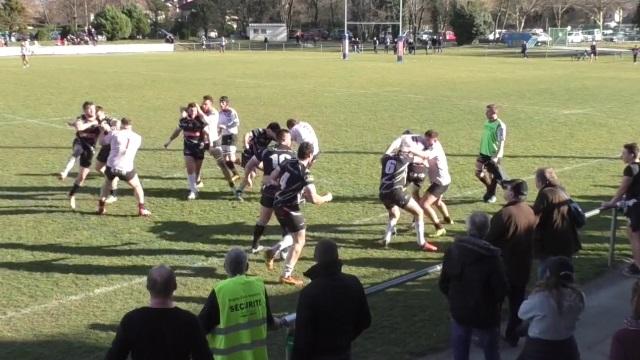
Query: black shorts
{"x": 193, "y": 150}
{"x": 246, "y": 156}
{"x": 483, "y": 159}
{"x": 416, "y": 174}
{"x": 633, "y": 214}
{"x": 437, "y": 190}
{"x": 84, "y": 151}
{"x": 396, "y": 198}
{"x": 268, "y": 195}
{"x": 229, "y": 140}
{"x": 103, "y": 154}
{"x": 122, "y": 175}
{"x": 290, "y": 218}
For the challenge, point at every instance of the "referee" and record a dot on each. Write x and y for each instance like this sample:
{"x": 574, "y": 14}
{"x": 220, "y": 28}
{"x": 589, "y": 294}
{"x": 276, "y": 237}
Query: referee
{"x": 488, "y": 169}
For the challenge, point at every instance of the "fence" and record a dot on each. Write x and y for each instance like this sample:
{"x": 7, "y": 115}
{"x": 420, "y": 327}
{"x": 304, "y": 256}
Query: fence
{"x": 319, "y": 46}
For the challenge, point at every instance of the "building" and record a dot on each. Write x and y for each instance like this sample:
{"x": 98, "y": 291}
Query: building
{"x": 273, "y": 32}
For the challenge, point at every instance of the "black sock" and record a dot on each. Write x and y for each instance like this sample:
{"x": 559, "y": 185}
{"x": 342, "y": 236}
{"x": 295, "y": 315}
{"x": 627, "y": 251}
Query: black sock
{"x": 258, "y": 230}
{"x": 74, "y": 189}
{"x": 230, "y": 164}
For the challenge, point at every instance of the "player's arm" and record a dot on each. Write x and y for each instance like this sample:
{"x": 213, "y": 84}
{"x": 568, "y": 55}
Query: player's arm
{"x": 80, "y": 125}
{"x": 247, "y": 138}
{"x": 174, "y": 135}
{"x": 395, "y": 145}
{"x": 313, "y": 197}
{"x": 502, "y": 136}
{"x": 273, "y": 178}
{"x": 251, "y": 165}
{"x": 622, "y": 189}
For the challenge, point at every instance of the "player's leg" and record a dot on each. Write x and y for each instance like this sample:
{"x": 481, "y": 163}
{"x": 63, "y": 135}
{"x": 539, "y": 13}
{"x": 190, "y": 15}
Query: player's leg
{"x": 109, "y": 178}
{"x": 279, "y": 250}
{"x": 444, "y": 210}
{"x": 415, "y": 209}
{"x": 427, "y": 202}
{"x": 299, "y": 238}
{"x": 198, "y": 169}
{"x": 218, "y": 156}
{"x": 134, "y": 181}
{"x": 258, "y": 230}
{"x": 85, "y": 168}
{"x": 76, "y": 151}
{"x": 190, "y": 165}
{"x": 394, "y": 216}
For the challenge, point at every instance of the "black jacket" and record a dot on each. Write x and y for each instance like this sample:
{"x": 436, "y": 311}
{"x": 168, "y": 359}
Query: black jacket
{"x": 332, "y": 312}
{"x": 474, "y": 281}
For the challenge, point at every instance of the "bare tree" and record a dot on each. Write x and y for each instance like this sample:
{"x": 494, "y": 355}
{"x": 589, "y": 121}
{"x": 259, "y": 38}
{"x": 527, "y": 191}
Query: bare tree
{"x": 559, "y": 8}
{"x": 598, "y": 9}
{"x": 523, "y": 9}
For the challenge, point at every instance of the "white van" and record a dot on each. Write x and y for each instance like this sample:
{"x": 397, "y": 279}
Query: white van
{"x": 592, "y": 35}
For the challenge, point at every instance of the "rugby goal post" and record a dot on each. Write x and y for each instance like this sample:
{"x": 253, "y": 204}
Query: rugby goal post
{"x": 558, "y": 37}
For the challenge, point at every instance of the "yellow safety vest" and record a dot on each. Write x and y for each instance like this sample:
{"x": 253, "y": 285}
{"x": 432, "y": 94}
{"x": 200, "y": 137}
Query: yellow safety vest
{"x": 242, "y": 333}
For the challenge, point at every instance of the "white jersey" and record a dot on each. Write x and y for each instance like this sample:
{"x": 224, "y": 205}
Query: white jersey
{"x": 413, "y": 141}
{"x": 228, "y": 121}
{"x": 438, "y": 167}
{"x": 303, "y": 132}
{"x": 25, "y": 48}
{"x": 124, "y": 146}
{"x": 211, "y": 119}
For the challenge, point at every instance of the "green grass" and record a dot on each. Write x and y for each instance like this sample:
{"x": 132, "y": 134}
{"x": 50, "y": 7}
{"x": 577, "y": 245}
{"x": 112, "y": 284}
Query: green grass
{"x": 573, "y": 116}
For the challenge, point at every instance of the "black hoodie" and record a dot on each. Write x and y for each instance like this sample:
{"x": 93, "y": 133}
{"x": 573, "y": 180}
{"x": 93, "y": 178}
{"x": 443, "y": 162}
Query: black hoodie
{"x": 473, "y": 279}
{"x": 332, "y": 311}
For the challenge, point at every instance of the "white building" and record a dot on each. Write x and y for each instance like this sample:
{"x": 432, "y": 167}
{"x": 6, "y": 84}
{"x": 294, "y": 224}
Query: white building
{"x": 273, "y": 32}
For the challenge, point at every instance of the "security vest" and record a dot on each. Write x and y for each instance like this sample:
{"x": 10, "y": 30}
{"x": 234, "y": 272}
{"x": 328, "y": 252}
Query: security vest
{"x": 242, "y": 332}
{"x": 489, "y": 143}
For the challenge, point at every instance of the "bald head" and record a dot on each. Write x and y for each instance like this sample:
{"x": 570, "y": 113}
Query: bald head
{"x": 326, "y": 251}
{"x": 161, "y": 282}
{"x": 235, "y": 262}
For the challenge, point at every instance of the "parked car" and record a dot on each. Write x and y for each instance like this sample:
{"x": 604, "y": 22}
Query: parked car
{"x": 574, "y": 37}
{"x": 425, "y": 35}
{"x": 542, "y": 38}
{"x": 338, "y": 34}
{"x": 54, "y": 35}
{"x": 449, "y": 36}
{"x": 591, "y": 35}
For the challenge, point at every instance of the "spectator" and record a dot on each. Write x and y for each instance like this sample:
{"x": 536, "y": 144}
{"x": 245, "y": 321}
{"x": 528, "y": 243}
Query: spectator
{"x": 624, "y": 344}
{"x": 524, "y": 49}
{"x": 375, "y": 45}
{"x": 387, "y": 43}
{"x": 556, "y": 234}
{"x": 474, "y": 281}
{"x": 160, "y": 330}
{"x": 332, "y": 310}
{"x": 552, "y": 311}
{"x": 629, "y": 192}
{"x": 593, "y": 52}
{"x": 634, "y": 51}
{"x": 511, "y": 231}
{"x": 236, "y": 314}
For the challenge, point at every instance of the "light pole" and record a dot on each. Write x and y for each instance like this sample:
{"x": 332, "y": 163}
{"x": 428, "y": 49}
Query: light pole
{"x": 345, "y": 44}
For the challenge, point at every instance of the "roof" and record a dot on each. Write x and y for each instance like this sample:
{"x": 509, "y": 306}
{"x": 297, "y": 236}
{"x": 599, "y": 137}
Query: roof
{"x": 267, "y": 25}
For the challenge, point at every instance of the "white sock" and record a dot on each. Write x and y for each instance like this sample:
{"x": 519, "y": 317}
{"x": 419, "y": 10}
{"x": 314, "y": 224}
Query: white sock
{"x": 191, "y": 179}
{"x": 390, "y": 226}
{"x": 287, "y": 241}
{"x": 69, "y": 166}
{"x": 420, "y": 232}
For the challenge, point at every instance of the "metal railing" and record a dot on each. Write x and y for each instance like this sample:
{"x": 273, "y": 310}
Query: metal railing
{"x": 289, "y": 320}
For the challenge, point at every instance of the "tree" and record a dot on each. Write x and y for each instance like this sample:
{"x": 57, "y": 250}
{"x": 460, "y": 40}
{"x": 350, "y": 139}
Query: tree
{"x": 597, "y": 9}
{"x": 523, "y": 9}
{"x": 112, "y": 23}
{"x": 139, "y": 21}
{"x": 205, "y": 15}
{"x": 470, "y": 21}
{"x": 559, "y": 8}
{"x": 13, "y": 15}
{"x": 158, "y": 10}
{"x": 636, "y": 19}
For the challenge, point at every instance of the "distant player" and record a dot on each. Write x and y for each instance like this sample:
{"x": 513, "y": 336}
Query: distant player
{"x": 87, "y": 132}
{"x": 302, "y": 131}
{"x": 193, "y": 128}
{"x": 255, "y": 142}
{"x": 295, "y": 182}
{"x": 229, "y": 123}
{"x": 124, "y": 145}
{"x": 108, "y": 125}
{"x": 438, "y": 170}
{"x": 593, "y": 52}
{"x": 488, "y": 169}
{"x": 271, "y": 160}
{"x": 392, "y": 194}
{"x": 25, "y": 53}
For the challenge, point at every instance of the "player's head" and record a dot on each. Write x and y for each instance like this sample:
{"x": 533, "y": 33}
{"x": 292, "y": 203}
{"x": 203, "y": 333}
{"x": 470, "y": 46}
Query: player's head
{"x": 89, "y": 109}
{"x": 491, "y": 112}
{"x": 431, "y": 136}
{"x": 207, "y": 102}
{"x": 99, "y": 112}
{"x": 291, "y": 123}
{"x": 115, "y": 124}
{"x": 305, "y": 151}
{"x": 224, "y": 102}
{"x": 161, "y": 282}
{"x": 283, "y": 137}
{"x": 192, "y": 110}
{"x": 630, "y": 152}
{"x": 407, "y": 132}
{"x": 126, "y": 123}
{"x": 272, "y": 129}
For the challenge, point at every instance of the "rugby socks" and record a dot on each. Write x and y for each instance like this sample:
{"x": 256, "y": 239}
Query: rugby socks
{"x": 258, "y": 230}
{"x": 191, "y": 179}
{"x": 69, "y": 166}
{"x": 420, "y": 232}
{"x": 282, "y": 246}
{"x": 390, "y": 226}
{"x": 230, "y": 164}
{"x": 74, "y": 189}
{"x": 288, "y": 267}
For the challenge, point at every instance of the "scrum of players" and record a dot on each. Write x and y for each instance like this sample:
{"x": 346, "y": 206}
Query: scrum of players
{"x": 410, "y": 161}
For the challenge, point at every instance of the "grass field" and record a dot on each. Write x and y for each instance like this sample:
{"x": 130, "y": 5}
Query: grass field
{"x": 68, "y": 277}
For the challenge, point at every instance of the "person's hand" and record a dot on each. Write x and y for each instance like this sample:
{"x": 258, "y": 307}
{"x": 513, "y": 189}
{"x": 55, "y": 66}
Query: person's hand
{"x": 495, "y": 160}
{"x": 166, "y": 145}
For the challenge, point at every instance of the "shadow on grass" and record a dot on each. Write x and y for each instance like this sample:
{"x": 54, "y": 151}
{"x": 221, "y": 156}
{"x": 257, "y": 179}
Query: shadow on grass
{"x": 110, "y": 328}
{"x": 106, "y": 250}
{"x": 63, "y": 348}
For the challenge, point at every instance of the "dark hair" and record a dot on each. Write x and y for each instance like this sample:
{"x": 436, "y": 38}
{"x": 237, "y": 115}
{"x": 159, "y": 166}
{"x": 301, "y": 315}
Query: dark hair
{"x": 305, "y": 150}
{"x": 431, "y": 134}
{"x": 224, "y": 98}
{"x": 273, "y": 126}
{"x": 86, "y": 104}
{"x": 126, "y": 122}
{"x": 493, "y": 107}
{"x": 547, "y": 177}
{"x": 99, "y": 108}
{"x": 192, "y": 105}
{"x": 556, "y": 281}
{"x": 632, "y": 148}
{"x": 161, "y": 281}
{"x": 326, "y": 251}
{"x": 291, "y": 123}
{"x": 207, "y": 98}
{"x": 280, "y": 135}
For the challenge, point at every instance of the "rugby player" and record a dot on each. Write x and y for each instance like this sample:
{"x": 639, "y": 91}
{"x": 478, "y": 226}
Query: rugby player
{"x": 209, "y": 116}
{"x": 438, "y": 171}
{"x": 255, "y": 142}
{"x": 302, "y": 131}
{"x": 25, "y": 52}
{"x": 295, "y": 182}
{"x": 417, "y": 171}
{"x": 228, "y": 122}
{"x": 195, "y": 136}
{"x": 488, "y": 169}
{"x": 107, "y": 125}
{"x": 88, "y": 113}
{"x": 271, "y": 159}
{"x": 87, "y": 132}
{"x": 393, "y": 180}
{"x": 123, "y": 145}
